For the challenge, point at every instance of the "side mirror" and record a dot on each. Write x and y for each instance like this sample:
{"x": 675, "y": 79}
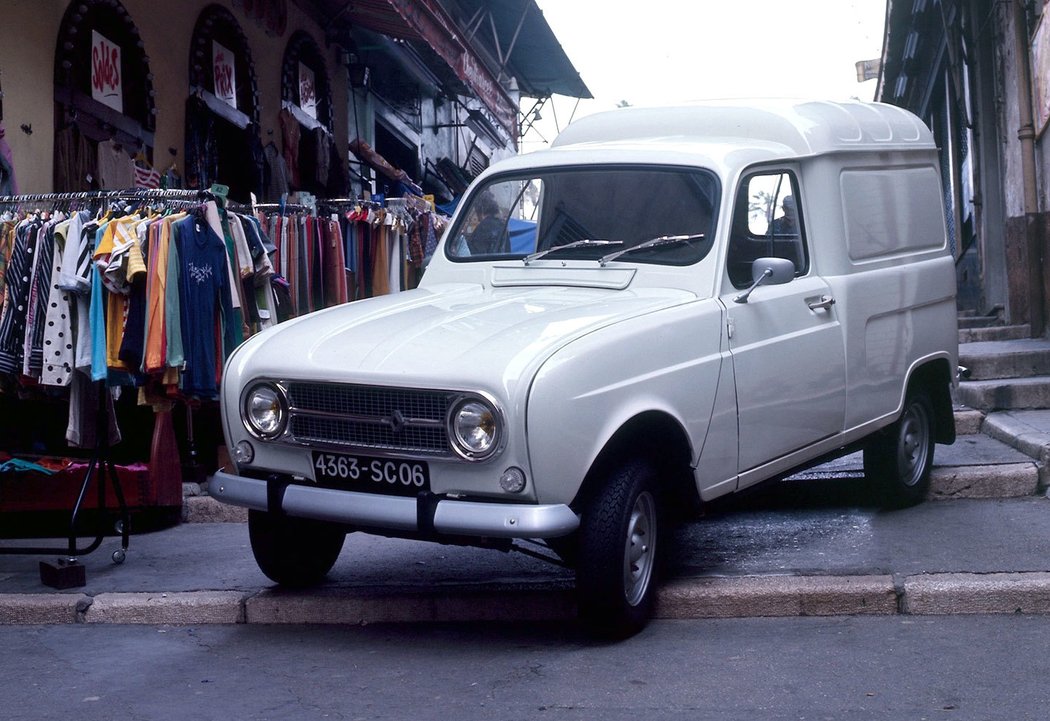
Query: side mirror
{"x": 768, "y": 271}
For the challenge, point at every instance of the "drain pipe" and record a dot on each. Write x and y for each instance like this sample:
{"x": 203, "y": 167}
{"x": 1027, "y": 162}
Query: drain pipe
{"x": 1026, "y": 134}
{"x": 1026, "y": 131}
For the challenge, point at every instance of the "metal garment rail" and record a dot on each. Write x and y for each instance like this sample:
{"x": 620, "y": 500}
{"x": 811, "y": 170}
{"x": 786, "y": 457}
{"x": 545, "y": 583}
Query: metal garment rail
{"x": 108, "y": 195}
{"x": 103, "y": 465}
{"x": 68, "y": 572}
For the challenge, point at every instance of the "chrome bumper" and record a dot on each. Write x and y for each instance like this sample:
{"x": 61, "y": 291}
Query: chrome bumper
{"x": 452, "y": 517}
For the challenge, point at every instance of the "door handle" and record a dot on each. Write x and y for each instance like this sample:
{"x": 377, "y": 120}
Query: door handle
{"x": 825, "y": 303}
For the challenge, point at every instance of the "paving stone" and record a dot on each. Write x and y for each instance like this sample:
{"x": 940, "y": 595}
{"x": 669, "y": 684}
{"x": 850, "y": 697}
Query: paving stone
{"x": 1009, "y": 480}
{"x": 334, "y": 606}
{"x": 968, "y": 422}
{"x": 193, "y": 607}
{"x": 34, "y": 608}
{"x": 970, "y": 593}
{"x": 777, "y": 596}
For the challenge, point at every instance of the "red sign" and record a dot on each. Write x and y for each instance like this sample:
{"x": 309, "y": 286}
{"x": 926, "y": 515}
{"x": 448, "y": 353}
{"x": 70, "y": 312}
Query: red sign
{"x": 106, "y": 80}
{"x": 224, "y": 74}
{"x": 307, "y": 91}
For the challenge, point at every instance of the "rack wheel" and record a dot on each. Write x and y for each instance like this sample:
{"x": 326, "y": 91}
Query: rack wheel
{"x": 118, "y": 556}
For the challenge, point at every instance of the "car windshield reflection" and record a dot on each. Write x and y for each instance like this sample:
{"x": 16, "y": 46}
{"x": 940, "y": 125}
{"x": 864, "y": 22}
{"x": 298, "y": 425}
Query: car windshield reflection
{"x": 569, "y": 212}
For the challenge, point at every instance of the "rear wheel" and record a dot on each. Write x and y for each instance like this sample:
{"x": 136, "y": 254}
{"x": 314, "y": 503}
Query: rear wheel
{"x": 294, "y": 551}
{"x": 900, "y": 458}
{"x": 616, "y": 564}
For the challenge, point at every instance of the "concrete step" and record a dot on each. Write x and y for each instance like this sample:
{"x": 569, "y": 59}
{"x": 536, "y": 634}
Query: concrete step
{"x": 1005, "y": 394}
{"x": 968, "y": 320}
{"x": 987, "y": 360}
{"x": 1028, "y": 431}
{"x": 993, "y": 333}
{"x": 968, "y": 421}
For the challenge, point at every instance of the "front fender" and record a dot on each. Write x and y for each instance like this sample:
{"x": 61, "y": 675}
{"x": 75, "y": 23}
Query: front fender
{"x": 667, "y": 361}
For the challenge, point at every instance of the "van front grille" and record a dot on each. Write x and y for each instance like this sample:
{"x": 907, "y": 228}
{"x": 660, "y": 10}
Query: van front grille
{"x": 398, "y": 420}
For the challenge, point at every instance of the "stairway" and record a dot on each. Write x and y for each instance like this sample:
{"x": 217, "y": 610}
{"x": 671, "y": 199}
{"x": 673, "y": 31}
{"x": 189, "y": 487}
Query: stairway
{"x": 1005, "y": 392}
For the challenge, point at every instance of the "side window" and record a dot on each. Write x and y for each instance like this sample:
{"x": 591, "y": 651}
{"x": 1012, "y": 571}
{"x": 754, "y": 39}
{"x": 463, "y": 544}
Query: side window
{"x": 767, "y": 222}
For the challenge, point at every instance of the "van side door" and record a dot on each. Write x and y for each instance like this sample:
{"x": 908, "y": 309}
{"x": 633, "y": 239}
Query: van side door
{"x": 785, "y": 340}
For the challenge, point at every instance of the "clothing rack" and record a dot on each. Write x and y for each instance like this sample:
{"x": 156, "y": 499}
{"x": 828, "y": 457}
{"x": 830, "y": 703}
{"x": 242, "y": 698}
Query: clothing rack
{"x": 95, "y": 195}
{"x": 336, "y": 203}
{"x": 410, "y": 202}
{"x": 68, "y": 572}
{"x": 283, "y": 207}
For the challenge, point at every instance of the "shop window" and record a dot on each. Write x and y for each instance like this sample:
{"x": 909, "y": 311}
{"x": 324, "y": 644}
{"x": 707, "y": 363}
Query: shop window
{"x": 104, "y": 106}
{"x": 396, "y": 151}
{"x": 222, "y": 112}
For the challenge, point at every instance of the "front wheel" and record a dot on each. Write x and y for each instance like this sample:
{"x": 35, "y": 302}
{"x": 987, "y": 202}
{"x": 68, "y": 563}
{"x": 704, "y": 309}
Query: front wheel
{"x": 616, "y": 564}
{"x": 293, "y": 551}
{"x": 900, "y": 458}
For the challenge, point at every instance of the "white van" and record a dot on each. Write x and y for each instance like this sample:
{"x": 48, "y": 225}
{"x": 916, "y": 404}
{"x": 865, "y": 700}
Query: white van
{"x": 667, "y": 306}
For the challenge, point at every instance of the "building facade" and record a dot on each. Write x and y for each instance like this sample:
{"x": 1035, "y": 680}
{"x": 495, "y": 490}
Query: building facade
{"x": 978, "y": 72}
{"x": 199, "y": 91}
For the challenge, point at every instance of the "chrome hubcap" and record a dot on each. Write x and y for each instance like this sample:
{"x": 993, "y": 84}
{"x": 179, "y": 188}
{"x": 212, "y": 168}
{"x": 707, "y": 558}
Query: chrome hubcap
{"x": 914, "y": 446}
{"x": 640, "y": 549}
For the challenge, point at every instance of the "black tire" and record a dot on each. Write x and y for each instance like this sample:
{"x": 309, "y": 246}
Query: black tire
{"x": 618, "y": 541}
{"x": 293, "y": 552}
{"x": 899, "y": 459}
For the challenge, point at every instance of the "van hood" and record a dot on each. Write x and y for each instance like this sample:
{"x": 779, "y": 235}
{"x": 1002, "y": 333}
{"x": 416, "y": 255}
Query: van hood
{"x": 444, "y": 335}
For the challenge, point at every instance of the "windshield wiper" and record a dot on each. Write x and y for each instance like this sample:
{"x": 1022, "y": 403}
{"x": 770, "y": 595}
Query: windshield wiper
{"x": 652, "y": 243}
{"x": 585, "y": 243}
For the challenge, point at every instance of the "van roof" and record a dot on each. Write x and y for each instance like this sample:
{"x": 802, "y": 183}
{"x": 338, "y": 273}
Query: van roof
{"x": 803, "y": 127}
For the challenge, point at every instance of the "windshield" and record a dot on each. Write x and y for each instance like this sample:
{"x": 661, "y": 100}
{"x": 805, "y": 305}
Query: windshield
{"x": 613, "y": 208}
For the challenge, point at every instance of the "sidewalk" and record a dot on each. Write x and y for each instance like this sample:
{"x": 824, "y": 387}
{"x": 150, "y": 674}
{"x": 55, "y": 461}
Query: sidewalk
{"x": 814, "y": 545}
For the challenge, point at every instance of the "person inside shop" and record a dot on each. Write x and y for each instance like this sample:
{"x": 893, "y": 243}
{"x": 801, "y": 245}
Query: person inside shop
{"x": 490, "y": 235}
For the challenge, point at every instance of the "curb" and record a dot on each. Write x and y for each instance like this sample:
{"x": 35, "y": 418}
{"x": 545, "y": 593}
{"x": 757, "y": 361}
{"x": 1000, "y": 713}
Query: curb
{"x": 193, "y": 607}
{"x": 778, "y": 596}
{"x": 704, "y": 598}
{"x": 971, "y": 593}
{"x": 1004, "y": 480}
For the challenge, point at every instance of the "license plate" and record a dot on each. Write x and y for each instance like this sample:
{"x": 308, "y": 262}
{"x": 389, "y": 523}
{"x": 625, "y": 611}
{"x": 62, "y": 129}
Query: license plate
{"x": 371, "y": 475}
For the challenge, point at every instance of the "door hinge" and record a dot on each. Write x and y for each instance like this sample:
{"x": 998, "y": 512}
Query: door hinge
{"x": 729, "y": 328}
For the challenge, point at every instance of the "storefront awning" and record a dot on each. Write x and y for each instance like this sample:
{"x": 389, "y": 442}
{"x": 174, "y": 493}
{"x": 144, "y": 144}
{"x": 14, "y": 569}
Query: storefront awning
{"x": 513, "y": 31}
{"x": 518, "y": 30}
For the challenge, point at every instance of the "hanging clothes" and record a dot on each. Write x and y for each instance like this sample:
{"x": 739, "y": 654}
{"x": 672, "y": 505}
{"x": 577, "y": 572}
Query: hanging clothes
{"x": 16, "y": 296}
{"x": 206, "y": 304}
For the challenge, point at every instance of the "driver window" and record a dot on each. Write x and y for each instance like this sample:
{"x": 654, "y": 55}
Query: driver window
{"x": 766, "y": 223}
{"x": 501, "y": 219}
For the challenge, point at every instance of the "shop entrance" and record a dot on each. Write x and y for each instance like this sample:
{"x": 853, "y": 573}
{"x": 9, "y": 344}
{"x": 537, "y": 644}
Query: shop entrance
{"x": 222, "y": 113}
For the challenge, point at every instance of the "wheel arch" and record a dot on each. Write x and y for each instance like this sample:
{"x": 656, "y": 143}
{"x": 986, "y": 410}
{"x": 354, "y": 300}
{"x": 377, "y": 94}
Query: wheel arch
{"x": 658, "y": 438}
{"x": 936, "y": 377}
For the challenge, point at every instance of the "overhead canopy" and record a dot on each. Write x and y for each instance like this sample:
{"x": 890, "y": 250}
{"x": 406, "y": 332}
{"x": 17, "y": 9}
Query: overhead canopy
{"x": 535, "y": 56}
{"x": 494, "y": 37}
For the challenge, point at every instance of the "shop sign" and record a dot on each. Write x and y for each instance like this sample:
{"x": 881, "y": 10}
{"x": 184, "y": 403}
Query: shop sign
{"x": 224, "y": 74}
{"x": 106, "y": 80}
{"x": 307, "y": 91}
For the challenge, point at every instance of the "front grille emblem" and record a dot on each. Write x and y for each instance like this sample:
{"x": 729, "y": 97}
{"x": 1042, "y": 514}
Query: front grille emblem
{"x": 396, "y": 422}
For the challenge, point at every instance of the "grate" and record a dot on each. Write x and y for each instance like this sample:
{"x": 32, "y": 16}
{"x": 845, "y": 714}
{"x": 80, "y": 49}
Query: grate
{"x": 391, "y": 419}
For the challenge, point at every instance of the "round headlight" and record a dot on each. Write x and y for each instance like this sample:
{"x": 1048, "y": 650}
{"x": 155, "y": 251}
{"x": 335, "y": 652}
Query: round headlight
{"x": 265, "y": 411}
{"x": 474, "y": 428}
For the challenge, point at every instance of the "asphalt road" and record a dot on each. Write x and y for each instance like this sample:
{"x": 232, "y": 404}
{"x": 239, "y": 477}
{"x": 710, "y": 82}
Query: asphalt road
{"x": 967, "y": 667}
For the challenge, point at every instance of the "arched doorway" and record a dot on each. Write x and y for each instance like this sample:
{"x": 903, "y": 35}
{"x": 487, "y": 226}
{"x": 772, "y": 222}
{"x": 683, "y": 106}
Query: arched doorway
{"x": 104, "y": 108}
{"x": 222, "y": 112}
{"x": 306, "y": 119}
